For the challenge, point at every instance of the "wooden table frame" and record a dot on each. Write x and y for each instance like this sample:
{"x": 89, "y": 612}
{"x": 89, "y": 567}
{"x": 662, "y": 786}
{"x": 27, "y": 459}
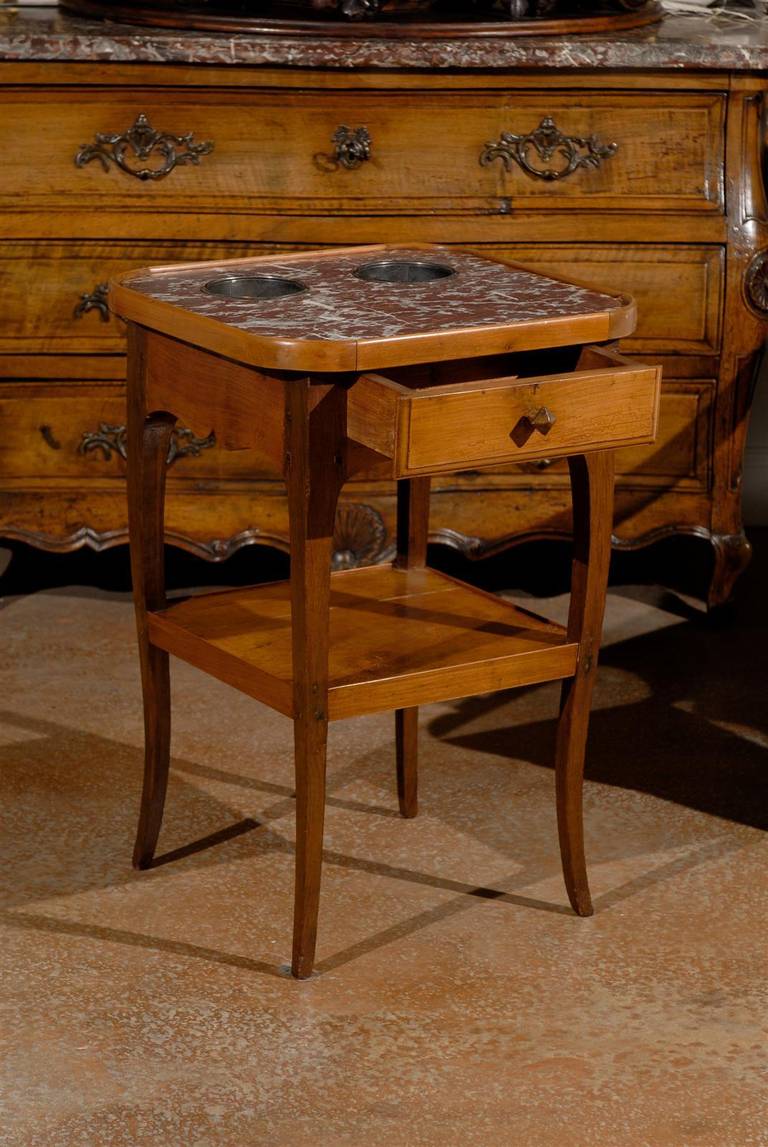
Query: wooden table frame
{"x": 274, "y": 642}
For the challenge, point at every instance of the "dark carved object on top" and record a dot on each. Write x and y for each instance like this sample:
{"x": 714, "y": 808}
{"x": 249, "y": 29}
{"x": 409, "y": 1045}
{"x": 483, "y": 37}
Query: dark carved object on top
{"x": 569, "y": 152}
{"x": 363, "y": 18}
{"x": 184, "y": 443}
{"x": 141, "y": 143}
{"x": 95, "y": 300}
{"x": 359, "y": 537}
{"x": 756, "y": 282}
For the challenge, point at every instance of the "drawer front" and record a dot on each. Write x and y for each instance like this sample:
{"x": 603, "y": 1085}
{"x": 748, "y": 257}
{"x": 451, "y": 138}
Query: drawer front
{"x": 76, "y": 432}
{"x": 678, "y": 289}
{"x": 680, "y": 455}
{"x": 402, "y": 151}
{"x": 51, "y": 298}
{"x": 429, "y": 430}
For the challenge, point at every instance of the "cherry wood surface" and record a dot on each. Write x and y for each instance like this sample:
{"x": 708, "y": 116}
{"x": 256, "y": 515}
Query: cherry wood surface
{"x": 325, "y": 646}
{"x": 408, "y": 635}
{"x": 416, "y": 165}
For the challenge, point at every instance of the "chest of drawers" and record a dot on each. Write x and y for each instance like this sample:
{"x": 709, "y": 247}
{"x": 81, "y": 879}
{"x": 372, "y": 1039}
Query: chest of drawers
{"x": 647, "y": 182}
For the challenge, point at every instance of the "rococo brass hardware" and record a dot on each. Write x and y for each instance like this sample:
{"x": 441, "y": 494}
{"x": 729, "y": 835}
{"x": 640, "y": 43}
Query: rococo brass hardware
{"x": 352, "y": 146}
{"x": 569, "y": 152}
{"x": 141, "y": 143}
{"x": 108, "y": 438}
{"x": 95, "y": 300}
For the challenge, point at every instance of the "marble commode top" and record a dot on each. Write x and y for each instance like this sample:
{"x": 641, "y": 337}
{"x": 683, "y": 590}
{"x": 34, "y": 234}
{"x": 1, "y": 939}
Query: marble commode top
{"x": 722, "y": 43}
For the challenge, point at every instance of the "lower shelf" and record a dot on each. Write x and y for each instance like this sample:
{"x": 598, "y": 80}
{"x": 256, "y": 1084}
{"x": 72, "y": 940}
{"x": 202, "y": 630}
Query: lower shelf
{"x": 397, "y": 638}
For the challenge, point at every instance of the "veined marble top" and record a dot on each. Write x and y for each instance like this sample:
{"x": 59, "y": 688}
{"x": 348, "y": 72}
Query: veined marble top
{"x": 478, "y": 299}
{"x": 724, "y": 43}
{"x": 336, "y": 305}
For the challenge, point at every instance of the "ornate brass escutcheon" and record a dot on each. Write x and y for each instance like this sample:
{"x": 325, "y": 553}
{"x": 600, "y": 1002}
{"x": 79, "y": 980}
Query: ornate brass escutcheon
{"x": 352, "y": 146}
{"x": 95, "y": 300}
{"x": 141, "y": 143}
{"x": 561, "y": 154}
{"x": 184, "y": 444}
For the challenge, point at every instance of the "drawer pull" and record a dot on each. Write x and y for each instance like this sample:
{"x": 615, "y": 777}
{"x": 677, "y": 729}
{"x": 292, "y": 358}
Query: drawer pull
{"x": 141, "y": 143}
{"x": 108, "y": 438}
{"x": 352, "y": 146}
{"x": 542, "y": 420}
{"x": 95, "y": 300}
{"x": 561, "y": 154}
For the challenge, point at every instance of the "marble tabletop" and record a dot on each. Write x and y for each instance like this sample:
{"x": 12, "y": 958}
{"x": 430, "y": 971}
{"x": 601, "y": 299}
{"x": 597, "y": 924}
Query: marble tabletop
{"x": 366, "y": 322}
{"x": 679, "y": 42}
{"x": 334, "y": 302}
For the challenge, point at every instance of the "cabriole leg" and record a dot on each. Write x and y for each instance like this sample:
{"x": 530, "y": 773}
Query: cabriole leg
{"x": 592, "y": 492}
{"x": 148, "y": 440}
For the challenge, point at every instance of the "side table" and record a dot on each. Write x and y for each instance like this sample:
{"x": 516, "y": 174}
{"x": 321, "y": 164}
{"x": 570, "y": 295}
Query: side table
{"x": 401, "y": 363}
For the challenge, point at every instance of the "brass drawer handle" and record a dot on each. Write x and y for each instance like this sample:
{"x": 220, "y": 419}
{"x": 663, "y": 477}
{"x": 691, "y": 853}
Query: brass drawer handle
{"x": 141, "y": 143}
{"x": 561, "y": 154}
{"x": 184, "y": 443}
{"x": 542, "y": 420}
{"x": 95, "y": 300}
{"x": 352, "y": 146}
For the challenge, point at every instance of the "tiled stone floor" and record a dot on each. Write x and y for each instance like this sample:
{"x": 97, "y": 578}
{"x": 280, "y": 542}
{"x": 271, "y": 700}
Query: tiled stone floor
{"x": 457, "y": 999}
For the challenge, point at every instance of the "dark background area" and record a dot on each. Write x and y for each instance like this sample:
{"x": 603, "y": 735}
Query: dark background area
{"x": 539, "y": 568}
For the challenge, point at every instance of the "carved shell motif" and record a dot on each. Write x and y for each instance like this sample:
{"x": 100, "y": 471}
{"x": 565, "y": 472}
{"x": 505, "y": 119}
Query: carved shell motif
{"x": 360, "y": 536}
{"x": 756, "y": 282}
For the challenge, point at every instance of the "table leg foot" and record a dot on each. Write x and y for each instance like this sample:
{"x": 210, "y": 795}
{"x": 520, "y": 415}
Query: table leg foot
{"x": 407, "y": 749}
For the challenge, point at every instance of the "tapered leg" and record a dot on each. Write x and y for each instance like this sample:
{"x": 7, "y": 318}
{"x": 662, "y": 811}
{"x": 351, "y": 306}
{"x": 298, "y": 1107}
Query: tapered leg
{"x": 412, "y": 535}
{"x": 148, "y": 439}
{"x": 314, "y": 476}
{"x": 592, "y": 491}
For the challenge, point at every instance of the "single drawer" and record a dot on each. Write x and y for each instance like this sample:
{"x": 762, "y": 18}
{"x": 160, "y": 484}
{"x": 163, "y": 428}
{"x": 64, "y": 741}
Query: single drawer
{"x": 425, "y": 429}
{"x": 323, "y": 152}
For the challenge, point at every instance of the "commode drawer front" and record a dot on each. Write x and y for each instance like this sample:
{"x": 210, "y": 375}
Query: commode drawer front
{"x": 76, "y": 432}
{"x": 357, "y": 152}
{"x": 477, "y": 424}
{"x": 678, "y": 288}
{"x": 53, "y": 295}
{"x": 622, "y": 151}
